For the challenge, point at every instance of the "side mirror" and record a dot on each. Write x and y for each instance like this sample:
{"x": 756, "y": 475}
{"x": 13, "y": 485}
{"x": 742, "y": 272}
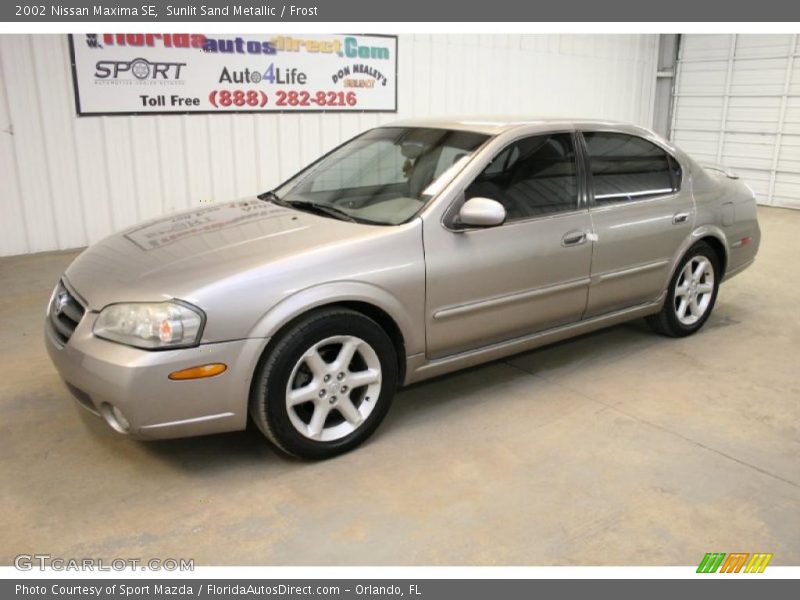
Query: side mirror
{"x": 481, "y": 212}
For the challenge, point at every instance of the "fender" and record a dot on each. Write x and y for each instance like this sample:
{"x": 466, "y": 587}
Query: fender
{"x": 698, "y": 233}
{"x": 324, "y": 294}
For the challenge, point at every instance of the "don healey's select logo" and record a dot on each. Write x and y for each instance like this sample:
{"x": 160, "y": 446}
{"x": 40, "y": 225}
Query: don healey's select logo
{"x": 737, "y": 562}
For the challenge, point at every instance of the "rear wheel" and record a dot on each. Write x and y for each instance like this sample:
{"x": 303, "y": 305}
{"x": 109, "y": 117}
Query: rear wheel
{"x": 691, "y": 294}
{"x": 326, "y": 385}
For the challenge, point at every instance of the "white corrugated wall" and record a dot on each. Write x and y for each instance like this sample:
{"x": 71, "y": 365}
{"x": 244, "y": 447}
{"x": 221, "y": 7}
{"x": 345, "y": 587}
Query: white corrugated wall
{"x": 737, "y": 102}
{"x": 69, "y": 181}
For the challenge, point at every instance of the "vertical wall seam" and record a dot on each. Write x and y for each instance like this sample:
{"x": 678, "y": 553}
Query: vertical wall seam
{"x": 210, "y": 158}
{"x": 726, "y": 98}
{"x": 187, "y": 180}
{"x": 47, "y": 176}
{"x": 675, "y": 87}
{"x": 136, "y": 191}
{"x": 278, "y": 147}
{"x": 257, "y": 155}
{"x": 107, "y": 173}
{"x": 74, "y": 136}
{"x": 160, "y": 161}
{"x": 17, "y": 171}
{"x": 778, "y": 142}
{"x": 234, "y": 154}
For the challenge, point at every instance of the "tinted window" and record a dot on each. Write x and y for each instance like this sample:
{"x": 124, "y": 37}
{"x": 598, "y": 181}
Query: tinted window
{"x": 531, "y": 177}
{"x": 625, "y": 167}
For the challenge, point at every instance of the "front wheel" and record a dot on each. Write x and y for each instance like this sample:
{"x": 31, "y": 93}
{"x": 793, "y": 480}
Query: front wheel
{"x": 691, "y": 295}
{"x": 326, "y": 385}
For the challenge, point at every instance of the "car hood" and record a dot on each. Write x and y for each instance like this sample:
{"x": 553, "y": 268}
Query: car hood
{"x": 178, "y": 255}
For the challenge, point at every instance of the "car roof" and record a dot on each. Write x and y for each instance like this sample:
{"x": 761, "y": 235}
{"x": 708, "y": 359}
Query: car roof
{"x": 494, "y": 125}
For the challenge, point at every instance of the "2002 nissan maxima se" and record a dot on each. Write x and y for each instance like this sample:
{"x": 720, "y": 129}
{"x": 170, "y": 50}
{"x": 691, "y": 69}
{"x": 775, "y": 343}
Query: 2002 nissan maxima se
{"x": 410, "y": 251}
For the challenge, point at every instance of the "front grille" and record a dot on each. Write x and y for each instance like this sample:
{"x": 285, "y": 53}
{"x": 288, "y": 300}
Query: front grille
{"x": 65, "y": 313}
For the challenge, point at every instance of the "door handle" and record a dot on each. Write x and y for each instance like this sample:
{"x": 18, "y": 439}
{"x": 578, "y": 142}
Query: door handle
{"x": 574, "y": 238}
{"x": 679, "y": 218}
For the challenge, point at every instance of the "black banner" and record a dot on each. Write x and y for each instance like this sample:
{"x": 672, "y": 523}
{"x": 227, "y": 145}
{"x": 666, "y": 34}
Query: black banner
{"x": 729, "y": 587}
{"x": 408, "y": 10}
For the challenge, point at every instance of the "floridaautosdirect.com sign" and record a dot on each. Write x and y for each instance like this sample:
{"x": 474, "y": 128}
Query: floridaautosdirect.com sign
{"x": 184, "y": 72}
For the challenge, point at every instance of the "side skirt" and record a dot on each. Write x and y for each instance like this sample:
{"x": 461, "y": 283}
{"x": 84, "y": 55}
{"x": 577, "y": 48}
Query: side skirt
{"x": 418, "y": 367}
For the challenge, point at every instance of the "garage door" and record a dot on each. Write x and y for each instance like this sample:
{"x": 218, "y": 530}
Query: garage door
{"x": 737, "y": 103}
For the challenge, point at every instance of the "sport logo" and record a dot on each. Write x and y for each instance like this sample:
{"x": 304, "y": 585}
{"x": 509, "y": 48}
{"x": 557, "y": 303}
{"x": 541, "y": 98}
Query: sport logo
{"x": 736, "y": 562}
{"x": 139, "y": 68}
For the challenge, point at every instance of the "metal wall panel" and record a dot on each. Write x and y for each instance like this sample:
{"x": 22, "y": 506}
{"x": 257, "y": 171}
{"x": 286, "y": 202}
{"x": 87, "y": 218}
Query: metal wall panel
{"x": 737, "y": 102}
{"x": 68, "y": 181}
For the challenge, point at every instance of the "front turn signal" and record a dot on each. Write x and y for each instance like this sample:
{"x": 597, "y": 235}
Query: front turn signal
{"x": 198, "y": 372}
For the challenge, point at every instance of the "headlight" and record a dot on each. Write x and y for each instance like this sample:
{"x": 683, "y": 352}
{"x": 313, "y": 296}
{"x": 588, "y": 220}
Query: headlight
{"x": 151, "y": 325}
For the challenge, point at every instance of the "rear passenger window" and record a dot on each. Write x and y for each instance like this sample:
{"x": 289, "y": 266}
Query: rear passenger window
{"x": 625, "y": 167}
{"x": 531, "y": 177}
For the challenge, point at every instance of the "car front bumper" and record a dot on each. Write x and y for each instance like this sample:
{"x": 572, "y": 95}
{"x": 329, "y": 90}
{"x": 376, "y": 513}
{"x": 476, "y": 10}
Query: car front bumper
{"x": 102, "y": 375}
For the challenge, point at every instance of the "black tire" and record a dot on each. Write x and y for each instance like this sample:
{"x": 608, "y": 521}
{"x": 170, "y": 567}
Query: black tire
{"x": 268, "y": 407}
{"x": 666, "y": 322}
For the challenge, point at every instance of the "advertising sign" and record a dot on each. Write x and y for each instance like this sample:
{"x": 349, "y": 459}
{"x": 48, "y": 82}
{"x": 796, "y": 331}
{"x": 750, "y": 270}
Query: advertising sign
{"x": 133, "y": 73}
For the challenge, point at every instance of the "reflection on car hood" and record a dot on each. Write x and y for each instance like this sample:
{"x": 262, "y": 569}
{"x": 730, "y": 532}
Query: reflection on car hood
{"x": 173, "y": 256}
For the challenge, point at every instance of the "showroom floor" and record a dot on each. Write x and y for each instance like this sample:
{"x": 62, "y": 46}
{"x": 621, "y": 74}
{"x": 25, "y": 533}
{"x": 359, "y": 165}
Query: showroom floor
{"x": 620, "y": 447}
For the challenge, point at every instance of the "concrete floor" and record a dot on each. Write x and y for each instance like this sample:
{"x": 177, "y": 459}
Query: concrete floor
{"x": 617, "y": 448}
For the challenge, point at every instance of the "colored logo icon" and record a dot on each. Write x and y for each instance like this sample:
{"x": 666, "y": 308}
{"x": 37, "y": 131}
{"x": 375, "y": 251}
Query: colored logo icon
{"x": 737, "y": 562}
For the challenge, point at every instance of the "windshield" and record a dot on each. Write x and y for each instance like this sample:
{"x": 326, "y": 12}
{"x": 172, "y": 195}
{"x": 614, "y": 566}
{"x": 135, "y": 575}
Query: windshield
{"x": 384, "y": 176}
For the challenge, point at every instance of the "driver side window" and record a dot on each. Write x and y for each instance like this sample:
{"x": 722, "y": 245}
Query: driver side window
{"x": 531, "y": 177}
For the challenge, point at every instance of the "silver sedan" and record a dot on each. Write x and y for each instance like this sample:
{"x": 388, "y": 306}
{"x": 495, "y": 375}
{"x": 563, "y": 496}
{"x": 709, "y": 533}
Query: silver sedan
{"x": 410, "y": 251}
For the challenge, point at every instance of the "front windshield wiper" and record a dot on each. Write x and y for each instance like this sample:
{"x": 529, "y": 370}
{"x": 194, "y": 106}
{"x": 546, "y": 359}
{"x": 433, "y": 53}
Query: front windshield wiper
{"x": 313, "y": 207}
{"x": 322, "y": 209}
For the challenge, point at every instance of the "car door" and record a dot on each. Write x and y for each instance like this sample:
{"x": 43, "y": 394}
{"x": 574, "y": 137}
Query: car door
{"x": 486, "y": 285}
{"x": 640, "y": 217}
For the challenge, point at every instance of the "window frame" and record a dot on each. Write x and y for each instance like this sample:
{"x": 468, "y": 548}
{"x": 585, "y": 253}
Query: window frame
{"x": 582, "y": 201}
{"x": 587, "y": 169}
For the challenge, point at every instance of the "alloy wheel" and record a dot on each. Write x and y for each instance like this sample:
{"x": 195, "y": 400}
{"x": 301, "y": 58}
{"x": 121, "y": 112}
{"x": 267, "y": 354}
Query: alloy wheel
{"x": 694, "y": 290}
{"x": 333, "y": 388}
